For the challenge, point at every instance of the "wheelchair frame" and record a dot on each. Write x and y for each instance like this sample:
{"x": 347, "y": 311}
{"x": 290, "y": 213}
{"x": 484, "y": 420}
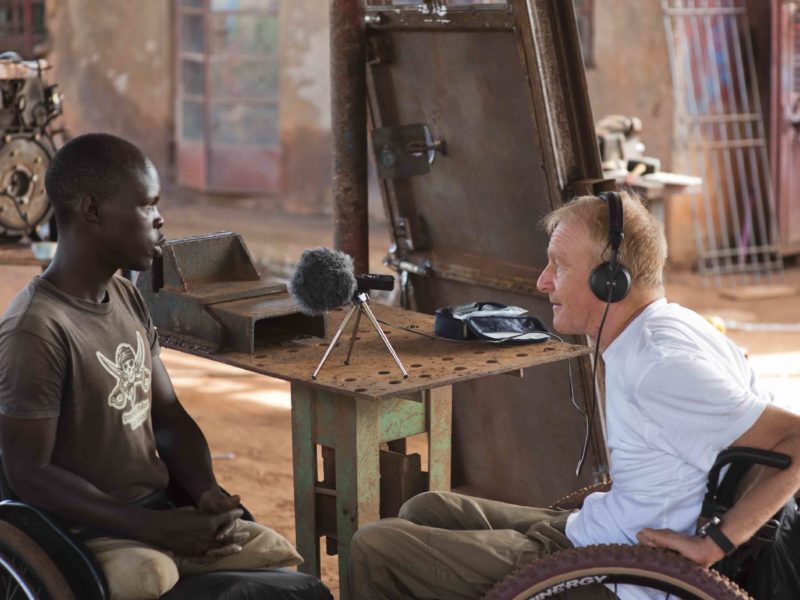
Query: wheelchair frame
{"x": 656, "y": 568}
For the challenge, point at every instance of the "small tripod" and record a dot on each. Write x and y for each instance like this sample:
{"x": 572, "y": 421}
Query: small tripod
{"x": 360, "y": 306}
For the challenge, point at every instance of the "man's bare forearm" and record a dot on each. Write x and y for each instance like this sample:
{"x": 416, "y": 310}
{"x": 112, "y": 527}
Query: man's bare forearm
{"x": 184, "y": 449}
{"x": 766, "y": 496}
{"x": 73, "y": 498}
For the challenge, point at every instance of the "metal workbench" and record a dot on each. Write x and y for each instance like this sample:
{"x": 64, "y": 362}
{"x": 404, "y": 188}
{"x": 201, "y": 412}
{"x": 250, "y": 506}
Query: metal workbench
{"x": 355, "y": 408}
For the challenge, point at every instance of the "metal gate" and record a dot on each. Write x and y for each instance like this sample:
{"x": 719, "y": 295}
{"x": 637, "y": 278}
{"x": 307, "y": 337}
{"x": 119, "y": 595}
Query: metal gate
{"x": 481, "y": 124}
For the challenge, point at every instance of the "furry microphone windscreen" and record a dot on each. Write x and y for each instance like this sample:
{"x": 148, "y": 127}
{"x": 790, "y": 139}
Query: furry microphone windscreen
{"x": 323, "y": 280}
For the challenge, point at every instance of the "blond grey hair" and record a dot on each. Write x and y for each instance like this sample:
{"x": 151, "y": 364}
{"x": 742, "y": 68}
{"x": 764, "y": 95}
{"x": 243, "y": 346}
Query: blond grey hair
{"x": 644, "y": 248}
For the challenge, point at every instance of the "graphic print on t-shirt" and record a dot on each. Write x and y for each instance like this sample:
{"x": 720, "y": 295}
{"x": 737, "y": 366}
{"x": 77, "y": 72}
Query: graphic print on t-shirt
{"x": 129, "y": 371}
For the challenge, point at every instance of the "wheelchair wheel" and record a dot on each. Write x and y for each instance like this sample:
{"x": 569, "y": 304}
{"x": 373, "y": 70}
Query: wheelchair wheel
{"x": 26, "y": 572}
{"x": 576, "y": 498}
{"x": 614, "y": 566}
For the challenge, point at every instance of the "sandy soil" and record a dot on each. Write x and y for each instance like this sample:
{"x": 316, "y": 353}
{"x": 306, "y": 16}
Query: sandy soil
{"x": 246, "y": 417}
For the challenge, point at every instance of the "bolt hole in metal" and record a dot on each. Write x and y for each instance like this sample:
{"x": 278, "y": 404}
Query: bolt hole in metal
{"x": 394, "y": 382}
{"x": 416, "y": 366}
{"x": 460, "y": 369}
{"x": 383, "y": 372}
{"x": 359, "y": 390}
{"x": 492, "y": 361}
{"x": 19, "y": 185}
{"x": 350, "y": 379}
{"x": 425, "y": 376}
{"x": 548, "y": 349}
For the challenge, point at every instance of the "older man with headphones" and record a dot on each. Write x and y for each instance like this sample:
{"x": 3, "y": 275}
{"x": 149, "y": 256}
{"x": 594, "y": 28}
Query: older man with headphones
{"x": 677, "y": 393}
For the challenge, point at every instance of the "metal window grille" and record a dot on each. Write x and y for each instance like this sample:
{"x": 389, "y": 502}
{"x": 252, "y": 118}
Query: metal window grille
{"x": 721, "y": 125}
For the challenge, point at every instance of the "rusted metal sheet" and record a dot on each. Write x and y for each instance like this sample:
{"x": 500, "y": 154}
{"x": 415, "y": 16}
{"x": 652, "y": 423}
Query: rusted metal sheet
{"x": 349, "y": 127}
{"x": 504, "y": 87}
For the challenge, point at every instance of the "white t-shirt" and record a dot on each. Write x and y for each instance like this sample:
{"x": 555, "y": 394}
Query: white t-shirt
{"x": 677, "y": 393}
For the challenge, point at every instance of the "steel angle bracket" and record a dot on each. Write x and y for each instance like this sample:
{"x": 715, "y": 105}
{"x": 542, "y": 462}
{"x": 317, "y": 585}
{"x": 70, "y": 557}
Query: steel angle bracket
{"x": 205, "y": 292}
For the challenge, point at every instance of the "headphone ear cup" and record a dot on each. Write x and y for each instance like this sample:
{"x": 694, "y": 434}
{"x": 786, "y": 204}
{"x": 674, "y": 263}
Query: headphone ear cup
{"x": 602, "y": 279}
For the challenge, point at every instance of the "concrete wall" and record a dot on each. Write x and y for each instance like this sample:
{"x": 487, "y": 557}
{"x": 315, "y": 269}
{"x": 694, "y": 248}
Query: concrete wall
{"x": 305, "y": 121}
{"x": 632, "y": 73}
{"x": 113, "y": 62}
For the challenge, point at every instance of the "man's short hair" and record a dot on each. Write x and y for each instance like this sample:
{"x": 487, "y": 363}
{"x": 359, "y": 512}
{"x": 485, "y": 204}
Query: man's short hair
{"x": 94, "y": 163}
{"x": 644, "y": 248}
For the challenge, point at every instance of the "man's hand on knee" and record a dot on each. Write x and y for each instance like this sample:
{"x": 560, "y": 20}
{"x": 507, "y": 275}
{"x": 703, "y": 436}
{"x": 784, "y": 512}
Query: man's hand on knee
{"x": 214, "y": 501}
{"x": 189, "y": 532}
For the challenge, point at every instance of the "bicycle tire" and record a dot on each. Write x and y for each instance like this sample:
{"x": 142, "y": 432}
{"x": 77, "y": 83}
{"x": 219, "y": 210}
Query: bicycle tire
{"x": 26, "y": 571}
{"x": 655, "y": 568}
{"x": 575, "y": 499}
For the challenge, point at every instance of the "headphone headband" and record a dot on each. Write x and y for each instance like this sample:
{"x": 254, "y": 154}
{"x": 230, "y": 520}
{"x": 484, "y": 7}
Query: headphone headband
{"x": 615, "y": 228}
{"x": 611, "y": 281}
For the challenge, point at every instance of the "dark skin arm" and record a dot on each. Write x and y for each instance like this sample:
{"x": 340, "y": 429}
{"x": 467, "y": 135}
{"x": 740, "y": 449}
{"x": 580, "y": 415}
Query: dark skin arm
{"x": 183, "y": 447}
{"x": 27, "y": 447}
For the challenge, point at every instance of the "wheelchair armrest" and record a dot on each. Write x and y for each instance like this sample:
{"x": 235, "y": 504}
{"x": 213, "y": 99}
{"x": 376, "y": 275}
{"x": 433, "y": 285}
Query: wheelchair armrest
{"x": 73, "y": 558}
{"x": 720, "y": 494}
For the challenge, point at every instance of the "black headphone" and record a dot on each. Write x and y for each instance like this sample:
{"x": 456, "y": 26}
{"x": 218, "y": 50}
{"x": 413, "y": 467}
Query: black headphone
{"x": 611, "y": 281}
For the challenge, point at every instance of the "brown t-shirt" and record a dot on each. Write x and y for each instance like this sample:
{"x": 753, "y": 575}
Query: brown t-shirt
{"x": 90, "y": 364}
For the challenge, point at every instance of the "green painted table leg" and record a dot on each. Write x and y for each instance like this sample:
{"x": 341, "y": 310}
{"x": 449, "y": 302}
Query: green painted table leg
{"x": 440, "y": 422}
{"x": 304, "y": 457}
{"x": 357, "y": 473}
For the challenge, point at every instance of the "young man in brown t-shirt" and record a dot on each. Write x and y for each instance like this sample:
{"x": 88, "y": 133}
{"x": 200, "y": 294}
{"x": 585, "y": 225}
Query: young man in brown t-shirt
{"x": 90, "y": 426}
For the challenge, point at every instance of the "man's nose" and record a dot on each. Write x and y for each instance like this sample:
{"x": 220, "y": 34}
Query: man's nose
{"x": 544, "y": 283}
{"x": 158, "y": 220}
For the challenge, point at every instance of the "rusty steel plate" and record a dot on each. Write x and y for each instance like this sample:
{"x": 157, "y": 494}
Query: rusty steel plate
{"x": 372, "y": 373}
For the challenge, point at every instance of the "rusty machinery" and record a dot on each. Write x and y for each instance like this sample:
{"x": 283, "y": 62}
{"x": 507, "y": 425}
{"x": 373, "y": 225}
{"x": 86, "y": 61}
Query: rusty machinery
{"x": 481, "y": 124}
{"x": 28, "y": 140}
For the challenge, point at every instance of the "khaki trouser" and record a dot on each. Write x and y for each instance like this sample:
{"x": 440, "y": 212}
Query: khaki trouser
{"x": 446, "y": 546}
{"x": 139, "y": 571}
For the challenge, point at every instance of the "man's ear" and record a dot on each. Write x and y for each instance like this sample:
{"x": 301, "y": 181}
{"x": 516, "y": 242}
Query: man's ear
{"x": 90, "y": 208}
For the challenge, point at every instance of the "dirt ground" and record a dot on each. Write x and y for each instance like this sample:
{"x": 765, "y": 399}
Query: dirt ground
{"x": 246, "y": 417}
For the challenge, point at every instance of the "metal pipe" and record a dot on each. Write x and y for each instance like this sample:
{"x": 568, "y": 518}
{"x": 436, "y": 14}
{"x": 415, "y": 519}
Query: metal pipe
{"x": 770, "y": 237}
{"x": 349, "y": 128}
{"x": 713, "y": 45}
{"x": 748, "y": 135}
{"x": 685, "y": 120}
{"x": 691, "y": 100}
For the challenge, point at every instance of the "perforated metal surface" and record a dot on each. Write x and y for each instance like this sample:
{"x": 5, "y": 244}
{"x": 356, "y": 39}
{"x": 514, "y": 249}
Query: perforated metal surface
{"x": 373, "y": 374}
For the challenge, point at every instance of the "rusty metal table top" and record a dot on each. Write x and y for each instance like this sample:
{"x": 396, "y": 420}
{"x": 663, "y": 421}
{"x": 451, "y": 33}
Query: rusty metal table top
{"x": 372, "y": 373}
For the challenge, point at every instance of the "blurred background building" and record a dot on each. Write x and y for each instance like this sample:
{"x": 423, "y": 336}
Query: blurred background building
{"x": 231, "y": 98}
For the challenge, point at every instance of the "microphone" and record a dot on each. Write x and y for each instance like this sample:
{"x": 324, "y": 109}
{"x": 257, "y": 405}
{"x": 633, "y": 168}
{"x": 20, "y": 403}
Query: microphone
{"x": 323, "y": 280}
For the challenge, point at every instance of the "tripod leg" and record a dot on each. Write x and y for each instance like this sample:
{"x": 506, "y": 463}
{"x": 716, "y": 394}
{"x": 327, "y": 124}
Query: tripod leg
{"x": 353, "y": 337}
{"x": 335, "y": 339}
{"x": 377, "y": 327}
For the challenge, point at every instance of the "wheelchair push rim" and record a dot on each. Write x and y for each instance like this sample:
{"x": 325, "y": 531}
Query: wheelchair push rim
{"x": 614, "y": 564}
{"x": 26, "y": 571}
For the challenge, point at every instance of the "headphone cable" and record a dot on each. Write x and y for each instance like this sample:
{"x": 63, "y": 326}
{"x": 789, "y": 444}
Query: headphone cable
{"x": 593, "y": 405}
